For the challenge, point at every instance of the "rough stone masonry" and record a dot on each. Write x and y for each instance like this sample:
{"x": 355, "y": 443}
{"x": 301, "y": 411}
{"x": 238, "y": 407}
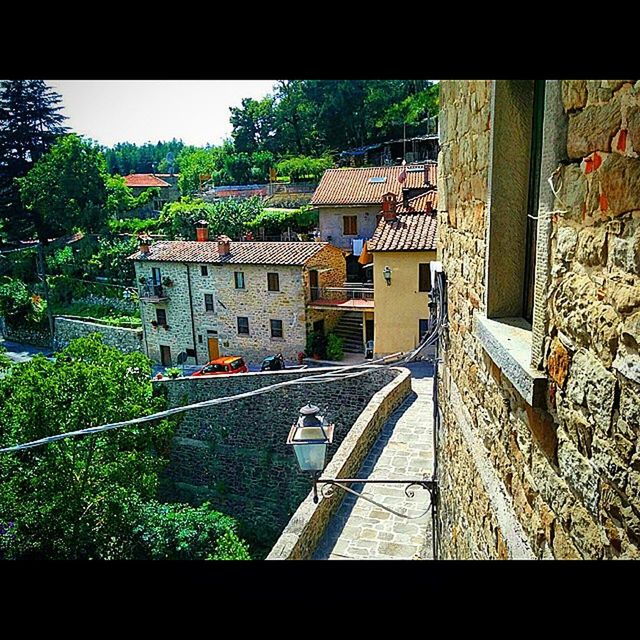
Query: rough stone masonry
{"x": 569, "y": 470}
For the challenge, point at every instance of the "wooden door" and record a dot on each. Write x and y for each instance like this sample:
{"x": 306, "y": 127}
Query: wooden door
{"x": 313, "y": 284}
{"x": 214, "y": 350}
{"x": 165, "y": 356}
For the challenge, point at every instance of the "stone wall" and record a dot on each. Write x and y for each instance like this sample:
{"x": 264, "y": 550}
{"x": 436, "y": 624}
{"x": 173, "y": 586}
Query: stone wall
{"x": 115, "y": 303}
{"x": 301, "y": 536}
{"x": 126, "y": 340}
{"x": 36, "y": 336}
{"x": 562, "y": 479}
{"x": 235, "y": 455}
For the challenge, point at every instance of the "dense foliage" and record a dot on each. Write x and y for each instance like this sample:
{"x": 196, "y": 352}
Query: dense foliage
{"x": 334, "y": 347}
{"x": 126, "y": 157}
{"x": 30, "y": 123}
{"x": 228, "y": 217}
{"x": 93, "y": 496}
{"x": 278, "y": 220}
{"x": 304, "y": 168}
{"x": 18, "y": 304}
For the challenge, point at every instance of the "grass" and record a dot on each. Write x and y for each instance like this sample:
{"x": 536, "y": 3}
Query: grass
{"x": 102, "y": 314}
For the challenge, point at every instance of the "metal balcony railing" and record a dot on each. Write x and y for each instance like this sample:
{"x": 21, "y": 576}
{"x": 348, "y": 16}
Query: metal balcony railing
{"x": 152, "y": 292}
{"x": 349, "y": 291}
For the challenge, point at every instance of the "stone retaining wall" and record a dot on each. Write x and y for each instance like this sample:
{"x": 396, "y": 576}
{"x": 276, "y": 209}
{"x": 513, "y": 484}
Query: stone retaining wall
{"x": 235, "y": 455}
{"x": 126, "y": 340}
{"x": 25, "y": 335}
{"x": 303, "y": 532}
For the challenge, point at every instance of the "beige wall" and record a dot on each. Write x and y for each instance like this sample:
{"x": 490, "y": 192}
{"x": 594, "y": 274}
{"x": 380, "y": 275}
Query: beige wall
{"x": 559, "y": 479}
{"x": 400, "y": 305}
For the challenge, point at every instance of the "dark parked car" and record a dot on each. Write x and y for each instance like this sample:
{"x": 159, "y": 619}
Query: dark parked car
{"x": 273, "y": 363}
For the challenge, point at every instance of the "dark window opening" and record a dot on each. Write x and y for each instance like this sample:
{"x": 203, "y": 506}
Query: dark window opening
{"x": 156, "y": 277}
{"x": 199, "y": 339}
{"x": 204, "y": 270}
{"x": 533, "y": 197}
{"x": 350, "y": 225}
{"x": 276, "y": 328}
{"x": 273, "y": 282}
{"x": 423, "y": 326}
{"x": 161, "y": 316}
{"x": 191, "y": 353}
{"x": 424, "y": 276}
{"x": 243, "y": 325}
{"x": 239, "y": 279}
{"x": 208, "y": 302}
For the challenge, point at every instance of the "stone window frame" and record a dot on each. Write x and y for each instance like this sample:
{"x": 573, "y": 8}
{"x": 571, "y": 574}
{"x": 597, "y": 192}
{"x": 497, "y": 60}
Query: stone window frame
{"x": 243, "y": 333}
{"x": 352, "y": 224}
{"x": 281, "y": 336}
{"x": 515, "y": 345}
{"x": 235, "y": 280}
{"x": 277, "y": 281}
{"x": 213, "y": 302}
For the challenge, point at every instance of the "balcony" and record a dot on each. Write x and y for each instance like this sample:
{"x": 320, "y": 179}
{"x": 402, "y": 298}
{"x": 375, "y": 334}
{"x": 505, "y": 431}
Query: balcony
{"x": 153, "y": 293}
{"x": 351, "y": 296}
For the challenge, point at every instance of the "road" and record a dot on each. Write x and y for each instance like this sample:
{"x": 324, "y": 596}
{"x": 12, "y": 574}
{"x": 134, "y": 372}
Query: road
{"x": 22, "y": 352}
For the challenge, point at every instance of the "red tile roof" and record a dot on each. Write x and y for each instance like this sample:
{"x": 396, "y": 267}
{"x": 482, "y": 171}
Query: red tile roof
{"x": 408, "y": 232}
{"x": 144, "y": 180}
{"x": 352, "y": 187}
{"x": 278, "y": 253}
{"x": 419, "y": 203}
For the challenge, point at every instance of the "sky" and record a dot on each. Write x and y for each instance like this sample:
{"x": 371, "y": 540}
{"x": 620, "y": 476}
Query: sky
{"x": 196, "y": 111}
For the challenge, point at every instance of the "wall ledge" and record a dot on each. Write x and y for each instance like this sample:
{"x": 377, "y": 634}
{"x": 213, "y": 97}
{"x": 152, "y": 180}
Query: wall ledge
{"x": 507, "y": 341}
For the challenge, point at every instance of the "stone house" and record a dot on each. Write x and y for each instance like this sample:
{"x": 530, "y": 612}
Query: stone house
{"x": 539, "y": 386}
{"x": 348, "y": 202}
{"x": 166, "y": 185}
{"x": 403, "y": 247}
{"x": 233, "y": 298}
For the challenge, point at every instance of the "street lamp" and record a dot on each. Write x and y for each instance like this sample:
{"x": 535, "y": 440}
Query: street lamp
{"x": 386, "y": 273}
{"x": 311, "y": 434}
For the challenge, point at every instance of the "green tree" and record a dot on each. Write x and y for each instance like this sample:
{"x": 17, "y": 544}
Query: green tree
{"x": 66, "y": 189}
{"x": 254, "y": 125}
{"x": 304, "y": 167}
{"x": 93, "y": 496}
{"x": 30, "y": 122}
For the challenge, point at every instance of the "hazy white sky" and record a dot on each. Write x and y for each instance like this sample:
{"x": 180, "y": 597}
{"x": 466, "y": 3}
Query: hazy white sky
{"x": 196, "y": 111}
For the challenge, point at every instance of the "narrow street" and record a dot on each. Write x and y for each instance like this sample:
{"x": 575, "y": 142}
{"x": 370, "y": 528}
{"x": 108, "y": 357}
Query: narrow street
{"x": 22, "y": 352}
{"x": 361, "y": 530}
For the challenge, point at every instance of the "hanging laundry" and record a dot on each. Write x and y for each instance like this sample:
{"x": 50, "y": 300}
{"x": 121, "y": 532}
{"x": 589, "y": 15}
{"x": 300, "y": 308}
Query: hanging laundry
{"x": 356, "y": 246}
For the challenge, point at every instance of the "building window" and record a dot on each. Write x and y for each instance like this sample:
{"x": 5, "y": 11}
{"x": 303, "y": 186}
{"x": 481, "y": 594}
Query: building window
{"x": 424, "y": 276}
{"x": 423, "y": 326}
{"x": 199, "y": 339}
{"x": 243, "y": 325}
{"x": 161, "y": 316}
{"x": 204, "y": 270}
{"x": 208, "y": 302}
{"x": 239, "y": 279}
{"x": 350, "y": 225}
{"x": 156, "y": 277}
{"x": 532, "y": 199}
{"x": 273, "y": 282}
{"x": 276, "y": 328}
{"x": 191, "y": 353}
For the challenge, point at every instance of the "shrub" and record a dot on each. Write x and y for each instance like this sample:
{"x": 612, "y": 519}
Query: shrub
{"x": 334, "y": 347}
{"x": 316, "y": 344}
{"x": 173, "y": 372}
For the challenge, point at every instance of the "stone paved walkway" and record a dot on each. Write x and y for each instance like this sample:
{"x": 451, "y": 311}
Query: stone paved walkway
{"x": 363, "y": 531}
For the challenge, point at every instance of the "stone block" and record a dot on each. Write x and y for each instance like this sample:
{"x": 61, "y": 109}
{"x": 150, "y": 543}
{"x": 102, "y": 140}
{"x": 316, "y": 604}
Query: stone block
{"x": 627, "y": 360}
{"x": 630, "y": 404}
{"x": 592, "y": 386}
{"x": 558, "y": 362}
{"x": 619, "y": 178}
{"x": 574, "y": 94}
{"x": 624, "y": 298}
{"x": 563, "y": 547}
{"x": 625, "y": 248}
{"x": 592, "y": 246}
{"x": 592, "y": 129}
{"x": 633, "y": 127}
{"x": 578, "y": 471}
{"x": 606, "y": 459}
{"x": 566, "y": 242}
{"x": 586, "y": 534}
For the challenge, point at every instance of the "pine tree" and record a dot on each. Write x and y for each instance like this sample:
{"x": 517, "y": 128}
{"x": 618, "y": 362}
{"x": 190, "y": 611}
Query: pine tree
{"x": 30, "y": 123}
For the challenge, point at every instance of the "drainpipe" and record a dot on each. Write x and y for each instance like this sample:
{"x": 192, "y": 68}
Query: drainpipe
{"x": 193, "y": 329}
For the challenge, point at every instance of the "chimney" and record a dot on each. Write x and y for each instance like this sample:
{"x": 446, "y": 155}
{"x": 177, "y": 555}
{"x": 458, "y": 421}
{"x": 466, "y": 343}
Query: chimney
{"x": 202, "y": 231}
{"x": 426, "y": 174}
{"x": 389, "y": 203}
{"x": 429, "y": 207}
{"x": 144, "y": 242}
{"x": 224, "y": 245}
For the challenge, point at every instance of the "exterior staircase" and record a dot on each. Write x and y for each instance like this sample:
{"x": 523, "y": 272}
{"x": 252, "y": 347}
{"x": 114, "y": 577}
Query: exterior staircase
{"x": 349, "y": 328}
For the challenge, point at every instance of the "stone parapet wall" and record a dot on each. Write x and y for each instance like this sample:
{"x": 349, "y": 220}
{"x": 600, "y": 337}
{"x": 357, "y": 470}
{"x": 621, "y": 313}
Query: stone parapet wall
{"x": 25, "y": 335}
{"x": 570, "y": 470}
{"x": 303, "y": 532}
{"x": 125, "y": 340}
{"x": 235, "y": 455}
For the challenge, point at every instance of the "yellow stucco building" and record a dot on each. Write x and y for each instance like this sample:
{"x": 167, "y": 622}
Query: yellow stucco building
{"x": 403, "y": 246}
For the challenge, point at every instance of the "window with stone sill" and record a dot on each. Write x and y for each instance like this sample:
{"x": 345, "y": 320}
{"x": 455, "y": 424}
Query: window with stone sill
{"x": 209, "y": 304}
{"x": 528, "y": 142}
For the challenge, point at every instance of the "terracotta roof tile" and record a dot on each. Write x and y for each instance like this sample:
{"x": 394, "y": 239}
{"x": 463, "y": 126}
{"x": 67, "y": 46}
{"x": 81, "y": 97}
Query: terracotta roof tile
{"x": 352, "y": 186}
{"x": 277, "y": 253}
{"x": 408, "y": 232}
{"x": 419, "y": 203}
{"x": 144, "y": 180}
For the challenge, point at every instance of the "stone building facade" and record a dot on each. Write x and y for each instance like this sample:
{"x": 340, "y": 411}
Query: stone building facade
{"x": 251, "y": 301}
{"x": 538, "y": 441}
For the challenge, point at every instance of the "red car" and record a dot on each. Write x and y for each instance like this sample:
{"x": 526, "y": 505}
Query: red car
{"x": 226, "y": 364}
